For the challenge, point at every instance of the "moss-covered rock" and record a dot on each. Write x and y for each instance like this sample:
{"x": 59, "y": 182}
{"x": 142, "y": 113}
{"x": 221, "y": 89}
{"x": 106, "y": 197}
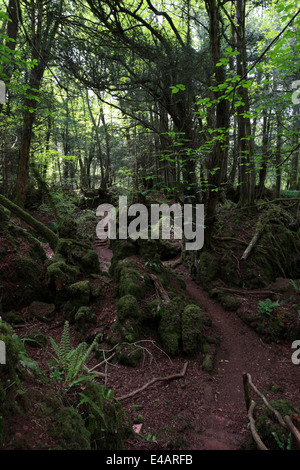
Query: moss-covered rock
{"x": 84, "y": 317}
{"x": 129, "y": 279}
{"x": 11, "y": 349}
{"x": 60, "y": 275}
{"x": 79, "y": 293}
{"x": 230, "y": 303}
{"x": 170, "y": 326}
{"x": 273, "y": 435}
{"x": 207, "y": 269}
{"x": 108, "y": 423}
{"x": 191, "y": 329}
{"x": 129, "y": 354}
{"x": 121, "y": 249}
{"x": 128, "y": 307}
{"x": 69, "y": 429}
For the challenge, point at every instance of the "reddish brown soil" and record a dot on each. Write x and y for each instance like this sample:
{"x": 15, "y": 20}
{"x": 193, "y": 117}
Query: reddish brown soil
{"x": 211, "y": 406}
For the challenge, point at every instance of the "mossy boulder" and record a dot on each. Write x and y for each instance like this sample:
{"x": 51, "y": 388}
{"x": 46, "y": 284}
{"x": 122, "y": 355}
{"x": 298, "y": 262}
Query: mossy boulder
{"x": 129, "y": 354}
{"x": 128, "y": 307}
{"x": 11, "y": 349}
{"x": 108, "y": 423}
{"x": 84, "y": 317}
{"x": 191, "y": 329}
{"x": 79, "y": 293}
{"x": 121, "y": 249}
{"x": 170, "y": 326}
{"x": 127, "y": 330}
{"x": 69, "y": 429}
{"x": 79, "y": 254}
{"x": 207, "y": 269}
{"x": 22, "y": 272}
{"x": 90, "y": 262}
{"x": 129, "y": 278}
{"x": 60, "y": 274}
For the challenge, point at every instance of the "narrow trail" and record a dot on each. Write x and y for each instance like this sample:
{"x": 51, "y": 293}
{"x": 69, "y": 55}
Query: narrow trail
{"x": 240, "y": 350}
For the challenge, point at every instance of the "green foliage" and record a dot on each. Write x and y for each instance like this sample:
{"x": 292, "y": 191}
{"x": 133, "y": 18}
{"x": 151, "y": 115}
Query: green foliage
{"x": 266, "y": 307}
{"x": 69, "y": 361}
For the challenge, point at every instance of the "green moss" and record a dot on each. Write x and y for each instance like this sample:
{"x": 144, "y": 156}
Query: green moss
{"x": 79, "y": 293}
{"x": 60, "y": 274}
{"x": 8, "y": 371}
{"x": 121, "y": 250}
{"x": 153, "y": 310}
{"x": 90, "y": 262}
{"x": 274, "y": 436}
{"x": 69, "y": 428}
{"x": 191, "y": 329}
{"x": 128, "y": 307}
{"x": 84, "y": 317}
{"x": 130, "y": 281}
{"x": 170, "y": 326}
{"x": 106, "y": 420}
{"x": 129, "y": 354}
{"x": 230, "y": 303}
{"x": 207, "y": 269}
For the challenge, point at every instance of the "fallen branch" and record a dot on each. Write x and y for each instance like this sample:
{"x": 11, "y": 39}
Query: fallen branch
{"x": 254, "y": 433}
{"x": 248, "y": 292}
{"x": 161, "y": 291}
{"x": 252, "y": 243}
{"x": 157, "y": 379}
{"x": 276, "y": 413}
{"x": 295, "y": 442}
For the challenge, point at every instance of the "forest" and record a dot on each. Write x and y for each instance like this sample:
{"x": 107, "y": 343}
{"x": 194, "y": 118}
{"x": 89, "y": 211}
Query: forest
{"x": 175, "y": 332}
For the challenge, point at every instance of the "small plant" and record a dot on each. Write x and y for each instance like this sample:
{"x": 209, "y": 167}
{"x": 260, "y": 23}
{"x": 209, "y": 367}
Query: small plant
{"x": 153, "y": 265}
{"x": 70, "y": 361}
{"x": 266, "y": 307}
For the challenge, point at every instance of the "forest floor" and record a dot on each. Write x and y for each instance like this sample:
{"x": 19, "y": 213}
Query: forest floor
{"x": 212, "y": 406}
{"x": 207, "y": 410}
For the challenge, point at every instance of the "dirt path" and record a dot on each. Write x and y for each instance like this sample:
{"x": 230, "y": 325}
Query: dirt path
{"x": 240, "y": 350}
{"x": 216, "y": 401}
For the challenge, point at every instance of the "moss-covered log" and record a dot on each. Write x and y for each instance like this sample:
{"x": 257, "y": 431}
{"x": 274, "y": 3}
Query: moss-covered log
{"x": 39, "y": 227}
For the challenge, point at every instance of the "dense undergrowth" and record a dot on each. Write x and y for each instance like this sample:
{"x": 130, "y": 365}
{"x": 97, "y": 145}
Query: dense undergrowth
{"x": 79, "y": 412}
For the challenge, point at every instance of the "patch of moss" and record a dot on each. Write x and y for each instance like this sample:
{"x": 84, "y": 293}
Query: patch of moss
{"x": 8, "y": 371}
{"x": 105, "y": 418}
{"x": 128, "y": 307}
{"x": 121, "y": 250}
{"x": 191, "y": 329}
{"x": 60, "y": 274}
{"x": 170, "y": 326}
{"x": 207, "y": 269}
{"x": 90, "y": 262}
{"x": 129, "y": 280}
{"x": 69, "y": 429}
{"x": 274, "y": 436}
{"x": 79, "y": 293}
{"x": 129, "y": 354}
{"x": 230, "y": 303}
{"x": 84, "y": 317}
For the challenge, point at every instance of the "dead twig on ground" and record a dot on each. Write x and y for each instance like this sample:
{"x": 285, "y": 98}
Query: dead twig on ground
{"x": 156, "y": 379}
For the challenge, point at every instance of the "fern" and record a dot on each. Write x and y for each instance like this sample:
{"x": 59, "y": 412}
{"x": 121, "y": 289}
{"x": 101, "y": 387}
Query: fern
{"x": 71, "y": 360}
